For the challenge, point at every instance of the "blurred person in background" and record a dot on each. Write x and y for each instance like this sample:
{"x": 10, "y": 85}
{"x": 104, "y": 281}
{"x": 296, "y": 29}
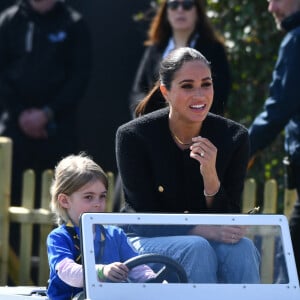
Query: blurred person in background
{"x": 44, "y": 71}
{"x": 3, "y": 115}
{"x": 45, "y": 53}
{"x": 282, "y": 107}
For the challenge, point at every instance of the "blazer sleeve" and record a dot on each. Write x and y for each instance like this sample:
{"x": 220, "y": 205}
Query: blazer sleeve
{"x": 283, "y": 101}
{"x": 132, "y": 159}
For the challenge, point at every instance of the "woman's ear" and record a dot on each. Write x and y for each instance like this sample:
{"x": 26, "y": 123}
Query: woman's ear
{"x": 63, "y": 200}
{"x": 164, "y": 92}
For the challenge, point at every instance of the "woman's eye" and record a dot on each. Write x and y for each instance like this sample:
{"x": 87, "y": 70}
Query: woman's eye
{"x": 207, "y": 84}
{"x": 187, "y": 86}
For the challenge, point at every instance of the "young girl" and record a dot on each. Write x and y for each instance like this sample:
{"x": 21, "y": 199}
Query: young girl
{"x": 80, "y": 185}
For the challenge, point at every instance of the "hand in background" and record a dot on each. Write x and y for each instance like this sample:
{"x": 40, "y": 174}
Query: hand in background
{"x": 33, "y": 123}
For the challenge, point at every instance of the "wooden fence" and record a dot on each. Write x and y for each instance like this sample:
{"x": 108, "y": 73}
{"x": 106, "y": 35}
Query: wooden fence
{"x": 270, "y": 197}
{"x": 19, "y": 268}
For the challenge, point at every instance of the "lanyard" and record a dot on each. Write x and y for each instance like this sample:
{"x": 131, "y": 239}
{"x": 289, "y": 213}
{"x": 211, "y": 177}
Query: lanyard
{"x": 72, "y": 232}
{"x": 99, "y": 255}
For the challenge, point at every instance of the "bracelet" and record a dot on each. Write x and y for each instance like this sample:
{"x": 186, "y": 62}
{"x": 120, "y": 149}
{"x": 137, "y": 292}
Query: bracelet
{"x": 100, "y": 274}
{"x": 211, "y": 195}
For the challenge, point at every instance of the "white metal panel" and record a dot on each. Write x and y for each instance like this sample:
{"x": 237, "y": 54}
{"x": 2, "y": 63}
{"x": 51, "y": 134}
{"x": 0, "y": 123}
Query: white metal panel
{"x": 136, "y": 291}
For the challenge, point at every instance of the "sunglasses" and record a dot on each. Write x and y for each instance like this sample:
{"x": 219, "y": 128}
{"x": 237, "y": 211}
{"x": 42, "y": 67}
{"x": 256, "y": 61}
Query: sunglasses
{"x": 186, "y": 4}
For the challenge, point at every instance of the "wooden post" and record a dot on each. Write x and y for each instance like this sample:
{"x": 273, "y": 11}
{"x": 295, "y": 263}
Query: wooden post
{"x": 44, "y": 228}
{"x": 270, "y": 197}
{"x": 110, "y": 192}
{"x": 5, "y": 186}
{"x": 28, "y": 194}
{"x": 268, "y": 242}
{"x": 290, "y": 197}
{"x": 249, "y": 195}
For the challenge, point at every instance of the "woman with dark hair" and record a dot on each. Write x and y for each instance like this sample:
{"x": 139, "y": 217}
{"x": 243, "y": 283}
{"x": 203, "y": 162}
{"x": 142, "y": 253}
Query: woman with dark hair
{"x": 178, "y": 23}
{"x": 183, "y": 159}
{"x": 181, "y": 23}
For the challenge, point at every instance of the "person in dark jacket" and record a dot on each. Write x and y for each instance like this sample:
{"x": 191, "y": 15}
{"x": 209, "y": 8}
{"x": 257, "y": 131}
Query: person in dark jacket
{"x": 45, "y": 55}
{"x": 183, "y": 159}
{"x": 282, "y": 107}
{"x": 177, "y": 24}
{"x": 45, "y": 64}
{"x": 180, "y": 23}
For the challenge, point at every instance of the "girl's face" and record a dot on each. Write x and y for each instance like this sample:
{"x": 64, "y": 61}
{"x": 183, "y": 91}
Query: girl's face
{"x": 181, "y": 19}
{"x": 90, "y": 198}
{"x": 191, "y": 93}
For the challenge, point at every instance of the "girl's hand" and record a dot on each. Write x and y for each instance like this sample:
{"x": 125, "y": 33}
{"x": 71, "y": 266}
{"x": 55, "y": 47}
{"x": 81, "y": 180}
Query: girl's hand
{"x": 115, "y": 272}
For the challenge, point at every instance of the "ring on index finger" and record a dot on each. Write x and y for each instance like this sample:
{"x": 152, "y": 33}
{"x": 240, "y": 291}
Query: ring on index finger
{"x": 202, "y": 154}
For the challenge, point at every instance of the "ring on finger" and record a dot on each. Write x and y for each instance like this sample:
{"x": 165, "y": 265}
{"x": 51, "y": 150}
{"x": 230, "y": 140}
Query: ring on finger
{"x": 232, "y": 239}
{"x": 202, "y": 154}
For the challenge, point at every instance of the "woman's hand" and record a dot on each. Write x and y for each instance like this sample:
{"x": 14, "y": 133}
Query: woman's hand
{"x": 219, "y": 233}
{"x": 115, "y": 272}
{"x": 205, "y": 153}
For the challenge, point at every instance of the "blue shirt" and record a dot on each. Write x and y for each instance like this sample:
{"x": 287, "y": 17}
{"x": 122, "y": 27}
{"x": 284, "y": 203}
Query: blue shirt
{"x": 60, "y": 245}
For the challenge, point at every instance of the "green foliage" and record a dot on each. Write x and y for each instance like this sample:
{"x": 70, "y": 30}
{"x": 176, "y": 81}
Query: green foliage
{"x": 252, "y": 41}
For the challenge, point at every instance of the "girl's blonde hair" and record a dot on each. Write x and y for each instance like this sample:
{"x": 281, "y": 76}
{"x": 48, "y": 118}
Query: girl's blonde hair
{"x": 72, "y": 173}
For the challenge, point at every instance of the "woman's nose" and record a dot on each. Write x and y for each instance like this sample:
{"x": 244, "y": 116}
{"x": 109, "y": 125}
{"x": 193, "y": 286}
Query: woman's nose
{"x": 199, "y": 92}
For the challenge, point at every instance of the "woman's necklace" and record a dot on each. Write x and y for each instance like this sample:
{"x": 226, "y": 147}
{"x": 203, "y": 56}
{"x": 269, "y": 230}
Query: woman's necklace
{"x": 180, "y": 141}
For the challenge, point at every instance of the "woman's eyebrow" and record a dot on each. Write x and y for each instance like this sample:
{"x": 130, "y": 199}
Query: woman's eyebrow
{"x": 207, "y": 78}
{"x": 186, "y": 80}
{"x": 192, "y": 80}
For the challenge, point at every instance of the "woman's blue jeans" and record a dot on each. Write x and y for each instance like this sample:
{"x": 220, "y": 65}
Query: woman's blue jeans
{"x": 206, "y": 261}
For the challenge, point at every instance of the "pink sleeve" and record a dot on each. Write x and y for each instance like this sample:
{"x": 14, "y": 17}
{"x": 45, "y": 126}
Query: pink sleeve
{"x": 70, "y": 272}
{"x": 141, "y": 273}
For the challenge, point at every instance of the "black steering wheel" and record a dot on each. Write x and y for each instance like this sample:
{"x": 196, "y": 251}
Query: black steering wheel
{"x": 170, "y": 266}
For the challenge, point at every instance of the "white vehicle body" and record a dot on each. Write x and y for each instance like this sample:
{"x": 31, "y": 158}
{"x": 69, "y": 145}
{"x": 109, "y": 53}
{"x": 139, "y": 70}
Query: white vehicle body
{"x": 269, "y": 229}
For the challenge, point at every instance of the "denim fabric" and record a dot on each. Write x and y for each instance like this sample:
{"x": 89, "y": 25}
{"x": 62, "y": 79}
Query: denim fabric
{"x": 204, "y": 261}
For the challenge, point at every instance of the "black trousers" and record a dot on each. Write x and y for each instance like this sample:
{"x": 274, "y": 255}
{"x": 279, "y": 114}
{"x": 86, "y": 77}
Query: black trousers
{"x": 295, "y": 219}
